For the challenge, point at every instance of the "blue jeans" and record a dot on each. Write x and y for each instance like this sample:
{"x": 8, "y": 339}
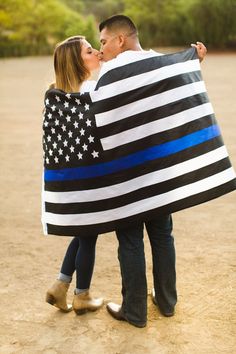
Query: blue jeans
{"x": 133, "y": 269}
{"x": 80, "y": 256}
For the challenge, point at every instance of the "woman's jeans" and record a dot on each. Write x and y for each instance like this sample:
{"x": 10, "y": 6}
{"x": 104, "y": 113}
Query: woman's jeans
{"x": 80, "y": 256}
{"x": 133, "y": 269}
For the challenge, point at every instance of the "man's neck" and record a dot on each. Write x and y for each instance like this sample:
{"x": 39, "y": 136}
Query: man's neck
{"x": 133, "y": 46}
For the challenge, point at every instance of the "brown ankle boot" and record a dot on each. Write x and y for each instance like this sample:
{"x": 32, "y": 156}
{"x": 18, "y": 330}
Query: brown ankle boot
{"x": 84, "y": 302}
{"x": 56, "y": 295}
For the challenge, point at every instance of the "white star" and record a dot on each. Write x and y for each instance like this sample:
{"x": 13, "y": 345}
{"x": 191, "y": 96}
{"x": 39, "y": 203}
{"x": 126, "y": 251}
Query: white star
{"x": 85, "y": 147}
{"x": 86, "y": 106}
{"x": 82, "y": 131}
{"x": 91, "y": 139}
{"x": 88, "y": 122}
{"x": 68, "y": 118}
{"x": 50, "y": 115}
{"x": 59, "y": 137}
{"x": 66, "y": 104}
{"x": 60, "y": 152}
{"x": 56, "y": 159}
{"x": 80, "y": 115}
{"x": 45, "y": 124}
{"x": 70, "y": 134}
{"x": 73, "y": 109}
{"x": 76, "y": 124}
{"x": 57, "y": 98}
{"x": 47, "y": 160}
{"x": 53, "y": 130}
{"x": 68, "y": 96}
{"x": 67, "y": 158}
{"x": 47, "y": 101}
{"x": 48, "y": 138}
{"x": 56, "y": 122}
{"x": 54, "y": 145}
{"x": 50, "y": 152}
{"x": 95, "y": 154}
{"x": 80, "y": 156}
{"x": 65, "y": 142}
{"x": 60, "y": 112}
{"x": 77, "y": 101}
{"x": 72, "y": 149}
{"x": 63, "y": 128}
{"x": 77, "y": 140}
{"x": 53, "y": 108}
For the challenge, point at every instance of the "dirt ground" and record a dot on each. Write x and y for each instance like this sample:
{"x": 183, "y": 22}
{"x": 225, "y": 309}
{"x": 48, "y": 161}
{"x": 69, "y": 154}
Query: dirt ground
{"x": 205, "y": 320}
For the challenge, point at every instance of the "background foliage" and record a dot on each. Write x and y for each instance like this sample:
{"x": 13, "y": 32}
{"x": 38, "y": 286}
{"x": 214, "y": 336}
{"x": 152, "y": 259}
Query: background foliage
{"x": 32, "y": 27}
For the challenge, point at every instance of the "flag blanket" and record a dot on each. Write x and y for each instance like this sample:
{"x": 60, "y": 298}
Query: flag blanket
{"x": 145, "y": 142}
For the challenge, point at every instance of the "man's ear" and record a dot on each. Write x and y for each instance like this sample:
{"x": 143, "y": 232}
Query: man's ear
{"x": 121, "y": 39}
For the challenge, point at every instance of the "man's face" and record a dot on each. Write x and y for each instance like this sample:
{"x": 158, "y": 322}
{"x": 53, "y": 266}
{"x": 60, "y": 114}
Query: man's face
{"x": 110, "y": 44}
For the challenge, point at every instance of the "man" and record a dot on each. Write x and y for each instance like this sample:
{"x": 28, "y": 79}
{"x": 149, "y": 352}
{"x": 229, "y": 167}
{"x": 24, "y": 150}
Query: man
{"x": 119, "y": 39}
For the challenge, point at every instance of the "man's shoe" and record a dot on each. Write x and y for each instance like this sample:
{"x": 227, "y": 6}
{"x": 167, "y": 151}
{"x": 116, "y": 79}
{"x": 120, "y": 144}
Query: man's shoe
{"x": 166, "y": 314}
{"x": 116, "y": 312}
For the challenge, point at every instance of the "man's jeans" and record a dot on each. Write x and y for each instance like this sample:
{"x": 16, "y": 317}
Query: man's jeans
{"x": 133, "y": 269}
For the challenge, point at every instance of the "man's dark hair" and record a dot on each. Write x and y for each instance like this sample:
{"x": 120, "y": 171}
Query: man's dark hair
{"x": 118, "y": 21}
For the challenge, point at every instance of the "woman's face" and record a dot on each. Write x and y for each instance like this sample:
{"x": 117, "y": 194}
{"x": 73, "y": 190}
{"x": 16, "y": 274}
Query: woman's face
{"x": 90, "y": 56}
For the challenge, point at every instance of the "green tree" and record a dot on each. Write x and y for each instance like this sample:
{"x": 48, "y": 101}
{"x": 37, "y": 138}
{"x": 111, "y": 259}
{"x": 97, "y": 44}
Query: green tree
{"x": 178, "y": 22}
{"x": 33, "y": 27}
{"x": 30, "y": 27}
{"x": 75, "y": 5}
{"x": 214, "y": 21}
{"x": 150, "y": 19}
{"x": 84, "y": 27}
{"x": 104, "y": 8}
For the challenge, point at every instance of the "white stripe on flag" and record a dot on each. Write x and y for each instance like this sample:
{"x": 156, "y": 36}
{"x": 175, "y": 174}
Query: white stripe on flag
{"x": 138, "y": 182}
{"x": 157, "y": 126}
{"x": 127, "y": 57}
{"x": 155, "y": 101}
{"x": 147, "y": 78}
{"x": 142, "y": 205}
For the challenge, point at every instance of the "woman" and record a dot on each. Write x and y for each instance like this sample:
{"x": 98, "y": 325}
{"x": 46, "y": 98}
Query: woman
{"x": 74, "y": 60}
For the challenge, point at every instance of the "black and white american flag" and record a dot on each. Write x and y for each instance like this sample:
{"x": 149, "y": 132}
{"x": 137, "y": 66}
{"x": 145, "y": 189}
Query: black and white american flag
{"x": 145, "y": 142}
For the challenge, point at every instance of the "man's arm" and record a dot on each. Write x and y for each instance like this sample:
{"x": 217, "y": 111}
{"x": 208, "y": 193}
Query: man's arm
{"x": 201, "y": 50}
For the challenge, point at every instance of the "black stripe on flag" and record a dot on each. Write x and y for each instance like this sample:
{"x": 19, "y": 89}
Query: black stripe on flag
{"x": 153, "y": 115}
{"x": 140, "y": 194}
{"x": 162, "y": 137}
{"x": 137, "y": 67}
{"x": 148, "y": 215}
{"x": 146, "y": 91}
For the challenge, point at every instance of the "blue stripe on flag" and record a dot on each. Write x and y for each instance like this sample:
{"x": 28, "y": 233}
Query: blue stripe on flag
{"x": 135, "y": 159}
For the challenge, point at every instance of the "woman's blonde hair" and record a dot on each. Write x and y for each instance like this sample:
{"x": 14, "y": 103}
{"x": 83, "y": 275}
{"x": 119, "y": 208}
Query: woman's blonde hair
{"x": 70, "y": 70}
